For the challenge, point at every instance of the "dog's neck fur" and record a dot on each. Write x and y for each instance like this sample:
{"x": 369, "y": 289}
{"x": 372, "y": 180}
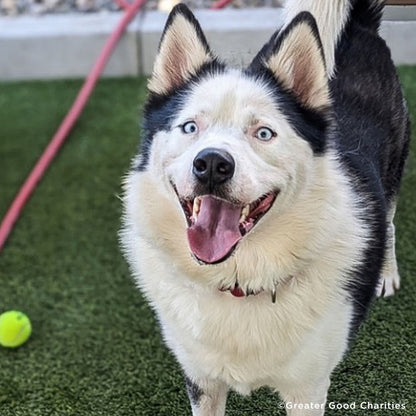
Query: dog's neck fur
{"x": 318, "y": 221}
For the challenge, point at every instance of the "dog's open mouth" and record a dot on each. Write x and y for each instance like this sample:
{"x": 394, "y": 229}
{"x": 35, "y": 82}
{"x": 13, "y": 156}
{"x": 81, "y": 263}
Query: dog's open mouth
{"x": 215, "y": 225}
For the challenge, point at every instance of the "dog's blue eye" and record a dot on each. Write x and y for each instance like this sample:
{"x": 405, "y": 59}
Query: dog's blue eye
{"x": 189, "y": 127}
{"x": 265, "y": 134}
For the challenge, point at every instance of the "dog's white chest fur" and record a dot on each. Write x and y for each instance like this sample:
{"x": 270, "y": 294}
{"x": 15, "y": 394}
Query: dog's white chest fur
{"x": 247, "y": 342}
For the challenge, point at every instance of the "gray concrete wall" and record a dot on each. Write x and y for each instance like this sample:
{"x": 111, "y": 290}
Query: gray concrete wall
{"x": 66, "y": 46}
{"x": 401, "y": 38}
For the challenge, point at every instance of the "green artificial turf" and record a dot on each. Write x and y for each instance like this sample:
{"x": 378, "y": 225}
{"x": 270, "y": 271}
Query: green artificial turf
{"x": 96, "y": 347}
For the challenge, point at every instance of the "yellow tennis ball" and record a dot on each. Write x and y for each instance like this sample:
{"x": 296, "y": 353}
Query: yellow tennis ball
{"x": 15, "y": 329}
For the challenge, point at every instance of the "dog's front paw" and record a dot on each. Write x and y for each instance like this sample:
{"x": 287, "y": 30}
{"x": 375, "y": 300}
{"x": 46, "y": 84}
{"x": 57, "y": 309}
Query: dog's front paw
{"x": 388, "y": 284}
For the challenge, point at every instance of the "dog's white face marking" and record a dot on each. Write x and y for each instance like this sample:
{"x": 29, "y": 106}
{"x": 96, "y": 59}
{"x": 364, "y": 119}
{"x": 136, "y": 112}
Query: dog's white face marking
{"x": 232, "y": 113}
{"x": 226, "y": 152}
{"x": 229, "y": 109}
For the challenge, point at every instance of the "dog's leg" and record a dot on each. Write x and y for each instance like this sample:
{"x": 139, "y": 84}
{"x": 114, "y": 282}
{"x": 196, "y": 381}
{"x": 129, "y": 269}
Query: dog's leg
{"x": 390, "y": 278}
{"x": 207, "y": 397}
{"x": 307, "y": 401}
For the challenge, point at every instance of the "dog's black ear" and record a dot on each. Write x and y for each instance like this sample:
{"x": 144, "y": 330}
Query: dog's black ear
{"x": 295, "y": 58}
{"x": 183, "y": 49}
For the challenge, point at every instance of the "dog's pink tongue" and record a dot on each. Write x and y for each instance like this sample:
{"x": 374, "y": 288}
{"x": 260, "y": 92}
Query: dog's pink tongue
{"x": 216, "y": 230}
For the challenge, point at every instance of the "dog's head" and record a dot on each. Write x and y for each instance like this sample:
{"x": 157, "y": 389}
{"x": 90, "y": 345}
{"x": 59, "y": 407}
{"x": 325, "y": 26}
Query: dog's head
{"x": 229, "y": 148}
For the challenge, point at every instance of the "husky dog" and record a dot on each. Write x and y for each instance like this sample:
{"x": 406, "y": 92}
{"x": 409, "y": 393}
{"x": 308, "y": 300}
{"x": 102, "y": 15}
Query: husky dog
{"x": 259, "y": 214}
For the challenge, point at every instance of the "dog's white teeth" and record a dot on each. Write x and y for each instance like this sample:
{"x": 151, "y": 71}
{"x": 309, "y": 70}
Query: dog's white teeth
{"x": 196, "y": 207}
{"x": 244, "y": 213}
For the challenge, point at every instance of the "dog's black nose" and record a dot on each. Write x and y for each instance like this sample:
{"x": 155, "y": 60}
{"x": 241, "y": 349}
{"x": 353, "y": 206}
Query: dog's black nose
{"x": 213, "y": 166}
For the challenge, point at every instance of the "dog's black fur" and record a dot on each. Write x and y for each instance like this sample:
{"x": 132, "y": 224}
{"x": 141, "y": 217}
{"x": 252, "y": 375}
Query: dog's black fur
{"x": 373, "y": 134}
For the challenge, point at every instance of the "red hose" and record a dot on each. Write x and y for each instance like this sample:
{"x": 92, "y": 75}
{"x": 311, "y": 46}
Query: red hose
{"x": 124, "y": 4}
{"x": 66, "y": 126}
{"x": 220, "y": 4}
